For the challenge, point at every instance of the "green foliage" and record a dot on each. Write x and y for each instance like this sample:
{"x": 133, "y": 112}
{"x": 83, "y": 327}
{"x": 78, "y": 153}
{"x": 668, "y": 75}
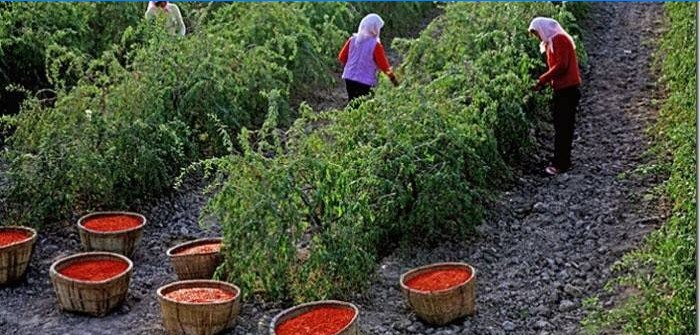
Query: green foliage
{"x": 398, "y": 17}
{"x": 34, "y": 36}
{"x": 663, "y": 271}
{"x": 43, "y": 45}
{"x": 306, "y": 212}
{"x": 127, "y": 116}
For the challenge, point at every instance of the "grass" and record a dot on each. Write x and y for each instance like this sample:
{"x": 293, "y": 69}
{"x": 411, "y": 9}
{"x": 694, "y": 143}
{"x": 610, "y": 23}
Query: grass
{"x": 663, "y": 272}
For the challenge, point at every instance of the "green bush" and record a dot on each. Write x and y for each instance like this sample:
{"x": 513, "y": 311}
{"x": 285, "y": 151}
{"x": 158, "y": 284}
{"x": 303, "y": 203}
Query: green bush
{"x": 398, "y": 21}
{"x": 41, "y": 43}
{"x": 663, "y": 271}
{"x": 129, "y": 120}
{"x": 306, "y": 212}
{"x": 33, "y": 35}
{"x": 152, "y": 113}
{"x": 44, "y": 45}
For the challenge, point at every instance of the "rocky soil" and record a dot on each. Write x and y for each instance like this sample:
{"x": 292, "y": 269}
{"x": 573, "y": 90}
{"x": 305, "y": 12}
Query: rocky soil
{"x": 548, "y": 242}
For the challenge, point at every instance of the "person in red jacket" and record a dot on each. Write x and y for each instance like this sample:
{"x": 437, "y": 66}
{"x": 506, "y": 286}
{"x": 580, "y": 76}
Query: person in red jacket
{"x": 363, "y": 56}
{"x": 564, "y": 78}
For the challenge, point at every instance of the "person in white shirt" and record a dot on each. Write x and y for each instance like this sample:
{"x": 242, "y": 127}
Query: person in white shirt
{"x": 174, "y": 25}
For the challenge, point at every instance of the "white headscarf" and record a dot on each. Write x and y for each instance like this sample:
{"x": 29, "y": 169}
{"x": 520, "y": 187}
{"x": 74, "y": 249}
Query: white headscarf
{"x": 370, "y": 26}
{"x": 547, "y": 29}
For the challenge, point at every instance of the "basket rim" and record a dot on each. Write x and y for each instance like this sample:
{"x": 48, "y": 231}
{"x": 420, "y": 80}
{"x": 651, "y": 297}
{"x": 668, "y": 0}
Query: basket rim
{"x": 171, "y": 251}
{"x": 275, "y": 320}
{"x": 160, "y": 290}
{"x": 111, "y": 233}
{"x": 402, "y": 279}
{"x": 56, "y": 273}
{"x": 32, "y": 237}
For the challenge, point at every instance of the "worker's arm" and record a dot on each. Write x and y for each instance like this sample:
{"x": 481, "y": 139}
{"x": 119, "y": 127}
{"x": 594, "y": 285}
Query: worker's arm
{"x": 150, "y": 12}
{"x": 562, "y": 49}
{"x": 383, "y": 63}
{"x": 344, "y": 52}
{"x": 181, "y": 29}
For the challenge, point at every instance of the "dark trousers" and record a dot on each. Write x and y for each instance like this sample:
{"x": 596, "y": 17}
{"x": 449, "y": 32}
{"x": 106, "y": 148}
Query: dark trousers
{"x": 564, "y": 105}
{"x": 356, "y": 90}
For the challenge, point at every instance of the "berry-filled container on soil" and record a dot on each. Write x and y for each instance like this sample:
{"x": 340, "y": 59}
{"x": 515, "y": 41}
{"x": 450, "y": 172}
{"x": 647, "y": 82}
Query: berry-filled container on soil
{"x": 328, "y": 317}
{"x": 118, "y": 232}
{"x": 440, "y": 293}
{"x": 196, "y": 259}
{"x": 92, "y": 283}
{"x": 16, "y": 247}
{"x": 199, "y": 307}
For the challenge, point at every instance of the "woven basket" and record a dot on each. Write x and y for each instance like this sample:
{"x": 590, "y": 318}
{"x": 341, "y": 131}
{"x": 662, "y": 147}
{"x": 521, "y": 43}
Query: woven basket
{"x": 353, "y": 328}
{"x": 198, "y": 319}
{"x": 94, "y": 298}
{"x": 14, "y": 258}
{"x": 122, "y": 242}
{"x": 444, "y": 306}
{"x": 195, "y": 266}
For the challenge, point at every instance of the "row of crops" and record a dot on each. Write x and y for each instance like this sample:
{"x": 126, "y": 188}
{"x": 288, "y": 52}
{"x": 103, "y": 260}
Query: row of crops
{"x": 116, "y": 108}
{"x": 307, "y": 211}
{"x": 663, "y": 271}
{"x": 306, "y": 199}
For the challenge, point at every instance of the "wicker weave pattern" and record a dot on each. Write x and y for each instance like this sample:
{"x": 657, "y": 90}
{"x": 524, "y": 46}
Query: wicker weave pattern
{"x": 15, "y": 258}
{"x": 198, "y": 319}
{"x": 196, "y": 266}
{"x": 94, "y": 298}
{"x": 441, "y": 307}
{"x": 353, "y": 328}
{"x": 123, "y": 242}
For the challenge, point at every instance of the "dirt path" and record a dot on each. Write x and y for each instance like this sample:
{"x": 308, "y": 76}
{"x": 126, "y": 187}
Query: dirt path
{"x": 549, "y": 242}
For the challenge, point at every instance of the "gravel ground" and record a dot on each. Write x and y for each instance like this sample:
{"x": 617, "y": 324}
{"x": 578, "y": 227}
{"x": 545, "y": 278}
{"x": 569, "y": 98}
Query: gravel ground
{"x": 547, "y": 244}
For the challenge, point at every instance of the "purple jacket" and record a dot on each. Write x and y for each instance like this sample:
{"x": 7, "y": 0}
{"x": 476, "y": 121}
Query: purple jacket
{"x": 361, "y": 66}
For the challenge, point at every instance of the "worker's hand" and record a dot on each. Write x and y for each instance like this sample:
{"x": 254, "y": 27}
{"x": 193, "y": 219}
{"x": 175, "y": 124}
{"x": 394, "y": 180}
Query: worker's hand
{"x": 393, "y": 79}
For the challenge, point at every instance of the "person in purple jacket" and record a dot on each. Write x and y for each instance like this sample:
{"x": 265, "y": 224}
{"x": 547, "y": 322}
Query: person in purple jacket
{"x": 363, "y": 56}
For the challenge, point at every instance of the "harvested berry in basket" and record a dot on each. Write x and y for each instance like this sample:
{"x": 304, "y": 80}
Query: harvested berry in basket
{"x": 201, "y": 295}
{"x": 12, "y": 236}
{"x": 319, "y": 321}
{"x": 437, "y": 280}
{"x": 201, "y": 249}
{"x": 112, "y": 223}
{"x": 94, "y": 269}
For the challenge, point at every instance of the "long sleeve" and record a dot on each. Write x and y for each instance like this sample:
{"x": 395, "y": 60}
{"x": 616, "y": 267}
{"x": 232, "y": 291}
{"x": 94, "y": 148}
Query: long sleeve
{"x": 559, "y": 62}
{"x": 344, "y": 52}
{"x": 181, "y": 29}
{"x": 381, "y": 60}
{"x": 150, "y": 12}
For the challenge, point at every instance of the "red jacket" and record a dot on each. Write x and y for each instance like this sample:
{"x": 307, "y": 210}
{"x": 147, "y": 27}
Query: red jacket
{"x": 563, "y": 66}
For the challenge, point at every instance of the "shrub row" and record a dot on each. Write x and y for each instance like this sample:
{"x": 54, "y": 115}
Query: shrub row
{"x": 36, "y": 39}
{"x": 152, "y": 103}
{"x": 34, "y": 36}
{"x": 307, "y": 212}
{"x": 663, "y": 271}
